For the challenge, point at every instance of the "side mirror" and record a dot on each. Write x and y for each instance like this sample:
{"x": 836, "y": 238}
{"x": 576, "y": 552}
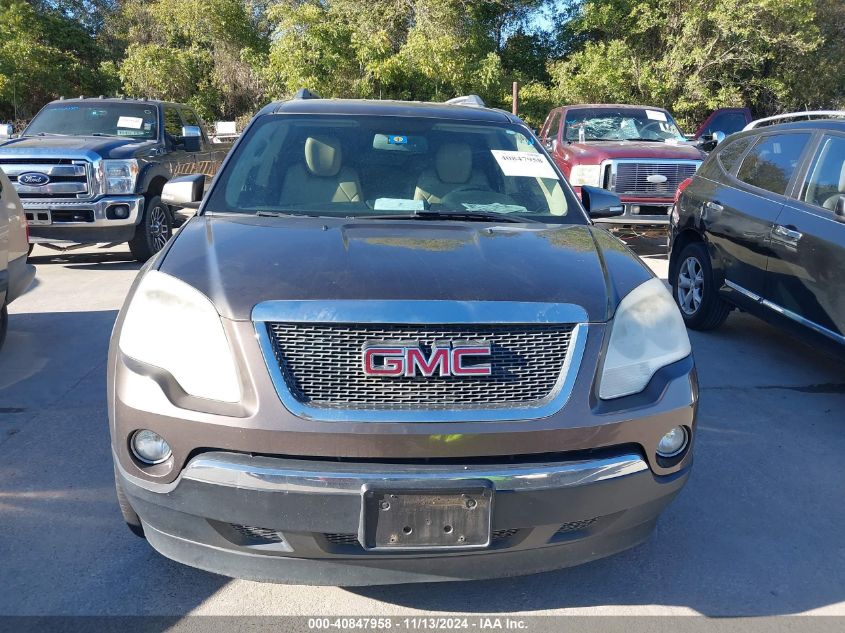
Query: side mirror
{"x": 191, "y": 138}
{"x": 839, "y": 209}
{"x": 6, "y": 130}
{"x": 184, "y": 191}
{"x": 601, "y": 203}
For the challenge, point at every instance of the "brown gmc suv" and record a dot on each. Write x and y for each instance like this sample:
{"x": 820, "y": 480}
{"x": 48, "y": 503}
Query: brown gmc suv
{"x": 412, "y": 357}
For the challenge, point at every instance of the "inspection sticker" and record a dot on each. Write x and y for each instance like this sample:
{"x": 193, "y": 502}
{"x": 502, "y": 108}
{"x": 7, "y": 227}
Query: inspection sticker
{"x": 655, "y": 115}
{"x": 132, "y": 122}
{"x": 529, "y": 164}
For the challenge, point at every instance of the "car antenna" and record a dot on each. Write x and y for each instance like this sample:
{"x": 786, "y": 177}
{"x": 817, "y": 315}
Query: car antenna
{"x": 304, "y": 93}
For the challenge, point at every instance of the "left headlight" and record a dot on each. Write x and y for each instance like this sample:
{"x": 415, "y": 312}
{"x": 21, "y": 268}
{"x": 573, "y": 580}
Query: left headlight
{"x": 176, "y": 328}
{"x": 648, "y": 333}
{"x": 118, "y": 176}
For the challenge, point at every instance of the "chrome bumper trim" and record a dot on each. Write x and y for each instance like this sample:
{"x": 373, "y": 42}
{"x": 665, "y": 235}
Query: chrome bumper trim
{"x": 301, "y": 476}
{"x": 789, "y": 314}
{"x": 136, "y": 208}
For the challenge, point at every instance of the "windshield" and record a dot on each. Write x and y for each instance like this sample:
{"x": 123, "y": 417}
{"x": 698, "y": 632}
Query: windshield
{"x": 358, "y": 166}
{"x": 87, "y": 119}
{"x": 620, "y": 124}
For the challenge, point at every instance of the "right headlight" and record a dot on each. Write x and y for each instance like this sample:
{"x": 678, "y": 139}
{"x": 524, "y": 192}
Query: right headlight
{"x": 648, "y": 333}
{"x": 589, "y": 175}
{"x": 175, "y": 327}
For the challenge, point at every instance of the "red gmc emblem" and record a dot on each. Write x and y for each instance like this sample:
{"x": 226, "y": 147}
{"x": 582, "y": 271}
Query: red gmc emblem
{"x": 409, "y": 360}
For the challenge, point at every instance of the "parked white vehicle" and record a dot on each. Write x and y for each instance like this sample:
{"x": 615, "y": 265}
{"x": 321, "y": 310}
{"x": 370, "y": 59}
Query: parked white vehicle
{"x": 15, "y": 273}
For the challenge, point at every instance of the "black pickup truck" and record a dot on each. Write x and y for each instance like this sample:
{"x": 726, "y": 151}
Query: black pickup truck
{"x": 91, "y": 170}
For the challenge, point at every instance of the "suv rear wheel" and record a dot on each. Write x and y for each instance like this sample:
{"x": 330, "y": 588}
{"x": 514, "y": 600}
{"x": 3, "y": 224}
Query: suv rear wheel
{"x": 695, "y": 291}
{"x": 152, "y": 233}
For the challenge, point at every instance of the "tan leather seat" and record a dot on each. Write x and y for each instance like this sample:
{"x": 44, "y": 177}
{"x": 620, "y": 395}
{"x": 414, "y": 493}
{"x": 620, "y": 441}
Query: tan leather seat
{"x": 452, "y": 170}
{"x": 830, "y": 202}
{"x": 322, "y": 178}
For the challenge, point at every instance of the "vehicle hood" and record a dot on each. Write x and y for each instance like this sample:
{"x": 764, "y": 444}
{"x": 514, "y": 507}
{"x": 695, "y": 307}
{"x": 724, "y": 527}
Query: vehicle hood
{"x": 240, "y": 262}
{"x": 102, "y": 146}
{"x": 596, "y": 152}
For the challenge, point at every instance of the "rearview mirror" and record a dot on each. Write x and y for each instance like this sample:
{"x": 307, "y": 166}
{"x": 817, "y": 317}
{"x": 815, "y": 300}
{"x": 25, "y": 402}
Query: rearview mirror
{"x": 6, "y": 130}
{"x": 601, "y": 203}
{"x": 184, "y": 191}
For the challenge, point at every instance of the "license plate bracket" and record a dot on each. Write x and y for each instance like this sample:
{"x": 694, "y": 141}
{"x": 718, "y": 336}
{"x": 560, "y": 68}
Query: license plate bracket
{"x": 424, "y": 518}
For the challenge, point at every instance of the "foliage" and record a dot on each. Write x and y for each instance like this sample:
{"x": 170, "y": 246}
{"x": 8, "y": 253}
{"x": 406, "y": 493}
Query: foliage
{"x": 691, "y": 57}
{"x": 228, "y": 57}
{"x": 44, "y": 54}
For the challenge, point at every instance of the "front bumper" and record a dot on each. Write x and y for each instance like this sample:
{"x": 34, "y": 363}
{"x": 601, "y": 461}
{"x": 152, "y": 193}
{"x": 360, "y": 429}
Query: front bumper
{"x": 641, "y": 213}
{"x": 297, "y": 521}
{"x": 82, "y": 221}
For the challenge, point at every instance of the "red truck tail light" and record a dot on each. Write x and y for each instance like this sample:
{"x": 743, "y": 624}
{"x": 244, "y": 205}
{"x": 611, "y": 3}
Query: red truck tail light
{"x": 684, "y": 184}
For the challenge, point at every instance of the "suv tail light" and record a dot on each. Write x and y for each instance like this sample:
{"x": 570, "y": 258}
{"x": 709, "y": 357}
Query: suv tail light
{"x": 684, "y": 184}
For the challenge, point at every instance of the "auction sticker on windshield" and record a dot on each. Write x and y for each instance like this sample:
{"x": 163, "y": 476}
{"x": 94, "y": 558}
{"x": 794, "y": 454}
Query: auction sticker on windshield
{"x": 529, "y": 164}
{"x": 133, "y": 122}
{"x": 655, "y": 115}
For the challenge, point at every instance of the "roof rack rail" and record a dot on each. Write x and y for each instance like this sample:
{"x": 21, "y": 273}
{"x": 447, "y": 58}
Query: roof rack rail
{"x": 473, "y": 101}
{"x": 304, "y": 93}
{"x": 809, "y": 115}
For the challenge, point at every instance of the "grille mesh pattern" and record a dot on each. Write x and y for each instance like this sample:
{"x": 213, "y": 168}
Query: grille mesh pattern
{"x": 321, "y": 364}
{"x": 632, "y": 178}
{"x": 258, "y": 533}
{"x": 342, "y": 539}
{"x": 574, "y": 526}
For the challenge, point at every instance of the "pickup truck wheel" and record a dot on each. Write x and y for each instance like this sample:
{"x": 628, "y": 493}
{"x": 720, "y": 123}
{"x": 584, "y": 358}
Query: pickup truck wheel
{"x": 4, "y": 324}
{"x": 152, "y": 233}
{"x": 133, "y": 522}
{"x": 695, "y": 291}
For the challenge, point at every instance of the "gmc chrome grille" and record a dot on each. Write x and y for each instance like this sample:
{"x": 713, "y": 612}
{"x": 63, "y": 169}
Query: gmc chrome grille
{"x": 632, "y": 177}
{"x": 68, "y": 178}
{"x": 322, "y": 366}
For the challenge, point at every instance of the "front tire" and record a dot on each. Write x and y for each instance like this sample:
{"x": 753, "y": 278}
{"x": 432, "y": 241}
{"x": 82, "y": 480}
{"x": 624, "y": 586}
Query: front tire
{"x": 152, "y": 233}
{"x": 695, "y": 291}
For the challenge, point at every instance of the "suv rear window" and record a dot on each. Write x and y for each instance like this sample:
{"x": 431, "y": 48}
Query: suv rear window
{"x": 354, "y": 166}
{"x": 730, "y": 153}
{"x": 772, "y": 161}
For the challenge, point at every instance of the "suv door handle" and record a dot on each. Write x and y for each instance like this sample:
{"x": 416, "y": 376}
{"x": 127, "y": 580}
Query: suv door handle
{"x": 714, "y": 206}
{"x": 786, "y": 234}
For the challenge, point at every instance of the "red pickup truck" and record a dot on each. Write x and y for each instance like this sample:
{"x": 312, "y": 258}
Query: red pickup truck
{"x": 638, "y": 152}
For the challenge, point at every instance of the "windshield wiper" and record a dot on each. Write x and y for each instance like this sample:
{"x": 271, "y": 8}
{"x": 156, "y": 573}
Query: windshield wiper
{"x": 49, "y": 134}
{"x": 467, "y": 216}
{"x": 104, "y": 134}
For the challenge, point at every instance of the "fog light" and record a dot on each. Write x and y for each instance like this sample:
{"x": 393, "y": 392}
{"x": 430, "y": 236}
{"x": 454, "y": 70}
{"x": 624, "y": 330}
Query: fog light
{"x": 673, "y": 443}
{"x": 119, "y": 211}
{"x": 150, "y": 447}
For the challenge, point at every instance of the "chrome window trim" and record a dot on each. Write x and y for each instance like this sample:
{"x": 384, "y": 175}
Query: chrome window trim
{"x": 422, "y": 313}
{"x": 303, "y": 476}
{"x": 787, "y": 312}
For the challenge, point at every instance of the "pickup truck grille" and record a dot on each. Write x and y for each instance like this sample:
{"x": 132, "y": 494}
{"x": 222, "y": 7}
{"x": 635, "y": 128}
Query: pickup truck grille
{"x": 631, "y": 178}
{"x": 322, "y": 365}
{"x": 68, "y": 178}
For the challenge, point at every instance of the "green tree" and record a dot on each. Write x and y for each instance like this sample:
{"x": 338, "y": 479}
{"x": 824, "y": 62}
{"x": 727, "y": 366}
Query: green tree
{"x": 45, "y": 53}
{"x": 204, "y": 52}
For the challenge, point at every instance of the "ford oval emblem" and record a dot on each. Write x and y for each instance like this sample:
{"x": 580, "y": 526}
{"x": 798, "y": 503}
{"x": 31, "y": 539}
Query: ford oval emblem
{"x": 657, "y": 179}
{"x": 33, "y": 179}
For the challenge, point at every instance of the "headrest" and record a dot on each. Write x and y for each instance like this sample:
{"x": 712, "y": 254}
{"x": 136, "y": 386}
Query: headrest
{"x": 322, "y": 155}
{"x": 842, "y": 179}
{"x": 453, "y": 162}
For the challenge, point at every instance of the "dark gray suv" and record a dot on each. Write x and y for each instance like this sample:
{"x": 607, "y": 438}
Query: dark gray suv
{"x": 408, "y": 356}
